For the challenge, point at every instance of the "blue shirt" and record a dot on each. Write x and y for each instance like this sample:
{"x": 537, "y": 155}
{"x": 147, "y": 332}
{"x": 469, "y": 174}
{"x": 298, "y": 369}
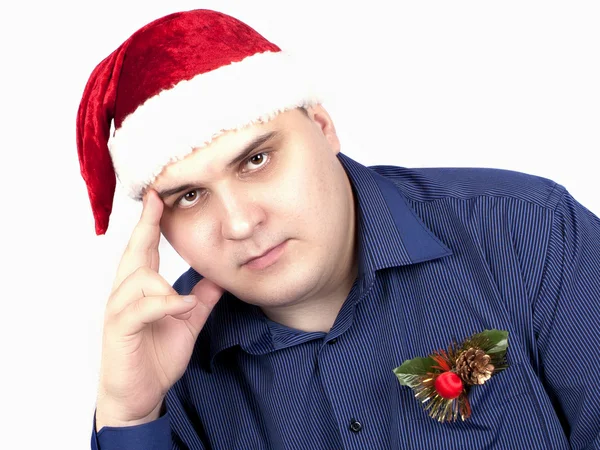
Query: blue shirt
{"x": 443, "y": 254}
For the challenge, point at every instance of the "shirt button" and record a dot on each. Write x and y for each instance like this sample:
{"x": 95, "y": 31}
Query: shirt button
{"x": 332, "y": 341}
{"x": 355, "y": 425}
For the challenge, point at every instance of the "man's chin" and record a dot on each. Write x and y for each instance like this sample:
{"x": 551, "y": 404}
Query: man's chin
{"x": 271, "y": 298}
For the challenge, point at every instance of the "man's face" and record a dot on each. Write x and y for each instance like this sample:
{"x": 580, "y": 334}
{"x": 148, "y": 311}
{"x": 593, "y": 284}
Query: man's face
{"x": 289, "y": 191}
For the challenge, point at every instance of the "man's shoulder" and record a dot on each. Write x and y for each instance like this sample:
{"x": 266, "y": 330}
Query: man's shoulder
{"x": 464, "y": 183}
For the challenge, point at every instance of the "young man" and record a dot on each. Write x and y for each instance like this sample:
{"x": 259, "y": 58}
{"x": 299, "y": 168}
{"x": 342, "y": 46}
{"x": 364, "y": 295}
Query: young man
{"x": 311, "y": 276}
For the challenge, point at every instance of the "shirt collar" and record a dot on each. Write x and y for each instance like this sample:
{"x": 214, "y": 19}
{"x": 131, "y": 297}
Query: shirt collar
{"x": 389, "y": 234}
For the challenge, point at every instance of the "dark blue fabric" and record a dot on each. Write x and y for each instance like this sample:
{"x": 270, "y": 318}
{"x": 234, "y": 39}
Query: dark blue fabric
{"x": 443, "y": 254}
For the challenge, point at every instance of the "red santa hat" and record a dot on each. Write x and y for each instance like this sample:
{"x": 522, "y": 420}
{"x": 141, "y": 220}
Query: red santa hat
{"x": 171, "y": 88}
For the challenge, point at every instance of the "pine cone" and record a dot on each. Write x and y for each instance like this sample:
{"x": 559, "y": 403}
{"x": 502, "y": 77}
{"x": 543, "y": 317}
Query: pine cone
{"x": 473, "y": 366}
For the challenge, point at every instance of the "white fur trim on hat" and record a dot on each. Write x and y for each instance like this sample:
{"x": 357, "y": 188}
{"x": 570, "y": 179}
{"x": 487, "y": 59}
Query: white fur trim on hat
{"x": 170, "y": 125}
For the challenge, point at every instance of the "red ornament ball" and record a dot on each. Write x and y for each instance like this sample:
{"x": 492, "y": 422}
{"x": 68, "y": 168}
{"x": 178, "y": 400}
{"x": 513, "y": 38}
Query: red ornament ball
{"x": 448, "y": 385}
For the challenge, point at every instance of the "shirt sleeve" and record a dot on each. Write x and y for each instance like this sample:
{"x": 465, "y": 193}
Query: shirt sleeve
{"x": 567, "y": 321}
{"x": 155, "y": 435}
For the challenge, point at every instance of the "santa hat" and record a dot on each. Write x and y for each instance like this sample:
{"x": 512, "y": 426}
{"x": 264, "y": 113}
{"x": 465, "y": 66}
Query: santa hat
{"x": 172, "y": 87}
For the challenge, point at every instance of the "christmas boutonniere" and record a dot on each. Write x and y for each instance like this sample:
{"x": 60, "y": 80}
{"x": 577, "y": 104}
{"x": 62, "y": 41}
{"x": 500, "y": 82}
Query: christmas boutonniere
{"x": 442, "y": 380}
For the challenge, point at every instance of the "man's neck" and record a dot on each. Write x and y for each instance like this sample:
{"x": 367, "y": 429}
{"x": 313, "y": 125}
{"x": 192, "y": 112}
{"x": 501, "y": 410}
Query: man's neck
{"x": 318, "y": 314}
{"x": 320, "y": 311}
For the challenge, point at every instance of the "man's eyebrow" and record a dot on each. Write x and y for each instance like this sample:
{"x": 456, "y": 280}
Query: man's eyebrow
{"x": 168, "y": 192}
{"x": 253, "y": 145}
{"x": 249, "y": 148}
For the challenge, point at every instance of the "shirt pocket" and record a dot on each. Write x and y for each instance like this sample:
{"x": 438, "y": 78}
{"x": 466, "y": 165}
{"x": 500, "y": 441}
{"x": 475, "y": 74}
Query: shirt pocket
{"x": 505, "y": 414}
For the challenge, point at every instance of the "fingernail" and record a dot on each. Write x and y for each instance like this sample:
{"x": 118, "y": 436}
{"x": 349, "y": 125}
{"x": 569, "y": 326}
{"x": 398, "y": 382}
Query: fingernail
{"x": 189, "y": 298}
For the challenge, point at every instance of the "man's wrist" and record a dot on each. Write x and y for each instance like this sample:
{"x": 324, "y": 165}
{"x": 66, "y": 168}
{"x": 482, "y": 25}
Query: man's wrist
{"x": 112, "y": 416}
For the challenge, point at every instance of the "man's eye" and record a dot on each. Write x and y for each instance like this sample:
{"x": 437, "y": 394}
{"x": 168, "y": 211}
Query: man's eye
{"x": 189, "y": 198}
{"x": 257, "y": 161}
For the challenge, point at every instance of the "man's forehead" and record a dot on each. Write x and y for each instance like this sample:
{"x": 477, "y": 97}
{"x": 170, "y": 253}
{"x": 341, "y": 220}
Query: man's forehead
{"x": 213, "y": 159}
{"x": 216, "y": 157}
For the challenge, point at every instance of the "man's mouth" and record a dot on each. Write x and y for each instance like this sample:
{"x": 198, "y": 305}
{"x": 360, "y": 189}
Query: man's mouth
{"x": 267, "y": 258}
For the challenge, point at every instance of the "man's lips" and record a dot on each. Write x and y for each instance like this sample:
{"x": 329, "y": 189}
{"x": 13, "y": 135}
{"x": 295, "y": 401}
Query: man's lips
{"x": 267, "y": 258}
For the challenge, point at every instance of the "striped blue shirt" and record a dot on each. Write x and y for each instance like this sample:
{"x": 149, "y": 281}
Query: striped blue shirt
{"x": 443, "y": 254}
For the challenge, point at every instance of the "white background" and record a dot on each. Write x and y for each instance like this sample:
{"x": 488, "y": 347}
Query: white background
{"x": 511, "y": 84}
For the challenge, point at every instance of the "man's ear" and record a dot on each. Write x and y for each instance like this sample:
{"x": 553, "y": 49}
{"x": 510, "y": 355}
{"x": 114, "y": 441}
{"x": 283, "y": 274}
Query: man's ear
{"x": 321, "y": 118}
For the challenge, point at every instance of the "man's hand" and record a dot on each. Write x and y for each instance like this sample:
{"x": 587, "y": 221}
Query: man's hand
{"x": 149, "y": 330}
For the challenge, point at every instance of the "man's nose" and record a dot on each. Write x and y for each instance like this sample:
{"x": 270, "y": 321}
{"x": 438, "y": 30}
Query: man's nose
{"x": 241, "y": 214}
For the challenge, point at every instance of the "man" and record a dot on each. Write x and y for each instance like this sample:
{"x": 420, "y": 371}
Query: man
{"x": 311, "y": 276}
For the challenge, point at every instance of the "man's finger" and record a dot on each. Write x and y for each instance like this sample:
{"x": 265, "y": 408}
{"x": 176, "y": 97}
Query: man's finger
{"x": 146, "y": 234}
{"x": 208, "y": 294}
{"x": 142, "y": 282}
{"x": 135, "y": 317}
{"x": 142, "y": 249}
